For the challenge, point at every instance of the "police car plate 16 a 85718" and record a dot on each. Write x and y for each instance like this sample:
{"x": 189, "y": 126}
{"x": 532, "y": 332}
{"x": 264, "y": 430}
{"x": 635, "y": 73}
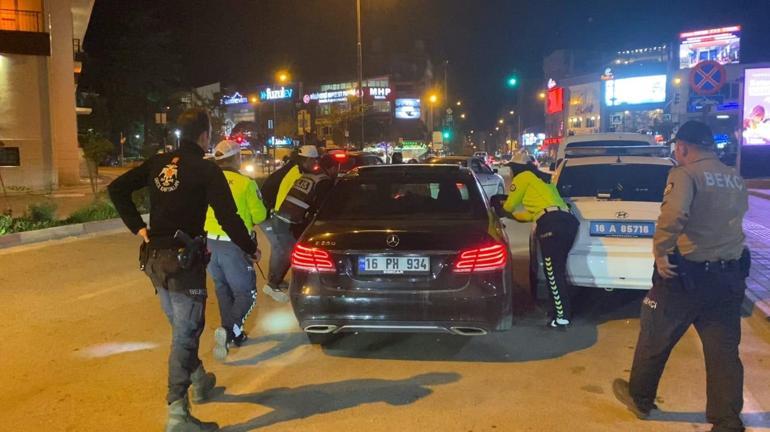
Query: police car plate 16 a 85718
{"x": 393, "y": 265}
{"x": 622, "y": 229}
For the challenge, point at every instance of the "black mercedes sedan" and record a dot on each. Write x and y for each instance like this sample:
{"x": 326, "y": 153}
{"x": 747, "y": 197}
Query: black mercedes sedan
{"x": 403, "y": 248}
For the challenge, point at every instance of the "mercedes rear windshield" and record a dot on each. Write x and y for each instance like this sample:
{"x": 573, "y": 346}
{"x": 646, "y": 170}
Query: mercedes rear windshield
{"x": 407, "y": 197}
{"x": 626, "y": 182}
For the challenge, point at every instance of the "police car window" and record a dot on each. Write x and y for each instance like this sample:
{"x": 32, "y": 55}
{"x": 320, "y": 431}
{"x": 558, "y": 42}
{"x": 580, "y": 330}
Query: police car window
{"x": 485, "y": 169}
{"x": 401, "y": 199}
{"x": 476, "y": 166}
{"x": 625, "y": 182}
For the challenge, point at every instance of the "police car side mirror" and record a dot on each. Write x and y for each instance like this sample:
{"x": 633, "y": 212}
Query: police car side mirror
{"x": 496, "y": 202}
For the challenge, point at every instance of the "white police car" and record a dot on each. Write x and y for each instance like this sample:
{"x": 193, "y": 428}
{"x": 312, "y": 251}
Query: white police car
{"x": 617, "y": 200}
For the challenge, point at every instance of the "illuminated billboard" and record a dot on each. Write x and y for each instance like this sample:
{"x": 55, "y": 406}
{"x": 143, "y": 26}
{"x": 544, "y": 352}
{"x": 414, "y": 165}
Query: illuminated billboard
{"x": 722, "y": 45}
{"x": 635, "y": 91}
{"x": 408, "y": 109}
{"x": 756, "y": 103}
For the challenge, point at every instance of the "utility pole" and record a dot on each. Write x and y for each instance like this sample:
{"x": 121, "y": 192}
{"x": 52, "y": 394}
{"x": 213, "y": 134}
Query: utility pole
{"x": 360, "y": 55}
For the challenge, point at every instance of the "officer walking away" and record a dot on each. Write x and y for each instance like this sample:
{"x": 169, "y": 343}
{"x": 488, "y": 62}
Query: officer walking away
{"x": 701, "y": 265}
{"x": 555, "y": 230}
{"x": 291, "y": 216}
{"x": 232, "y": 270}
{"x": 181, "y": 186}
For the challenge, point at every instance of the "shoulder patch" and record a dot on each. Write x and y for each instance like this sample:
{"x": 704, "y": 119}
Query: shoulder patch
{"x": 513, "y": 187}
{"x": 668, "y": 189}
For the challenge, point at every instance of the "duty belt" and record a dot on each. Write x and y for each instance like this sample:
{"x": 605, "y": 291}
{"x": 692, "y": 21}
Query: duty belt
{"x": 550, "y": 210}
{"x": 717, "y": 266}
{"x": 218, "y": 237}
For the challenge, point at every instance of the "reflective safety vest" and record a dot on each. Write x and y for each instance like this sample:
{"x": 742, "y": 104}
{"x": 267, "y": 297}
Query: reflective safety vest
{"x": 301, "y": 196}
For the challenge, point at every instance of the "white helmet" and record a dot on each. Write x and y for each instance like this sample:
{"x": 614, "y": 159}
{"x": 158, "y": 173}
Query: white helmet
{"x": 521, "y": 158}
{"x": 308, "y": 151}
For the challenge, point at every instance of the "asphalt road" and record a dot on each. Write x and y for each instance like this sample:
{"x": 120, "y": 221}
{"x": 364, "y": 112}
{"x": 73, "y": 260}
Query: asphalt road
{"x": 84, "y": 349}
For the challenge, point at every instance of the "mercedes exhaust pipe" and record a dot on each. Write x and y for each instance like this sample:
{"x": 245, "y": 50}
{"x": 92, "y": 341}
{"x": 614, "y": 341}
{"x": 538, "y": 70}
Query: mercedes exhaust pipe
{"x": 468, "y": 331}
{"x": 320, "y": 329}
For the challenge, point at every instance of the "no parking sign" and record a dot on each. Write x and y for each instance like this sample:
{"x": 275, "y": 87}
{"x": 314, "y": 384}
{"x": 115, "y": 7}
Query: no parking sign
{"x": 707, "y": 77}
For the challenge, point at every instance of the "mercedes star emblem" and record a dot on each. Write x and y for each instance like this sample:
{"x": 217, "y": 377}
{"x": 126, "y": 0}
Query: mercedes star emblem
{"x": 392, "y": 240}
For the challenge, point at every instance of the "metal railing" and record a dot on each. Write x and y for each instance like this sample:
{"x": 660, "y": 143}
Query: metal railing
{"x": 21, "y": 20}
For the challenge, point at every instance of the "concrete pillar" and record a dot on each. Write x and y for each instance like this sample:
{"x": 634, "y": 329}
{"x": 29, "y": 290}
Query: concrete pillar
{"x": 62, "y": 91}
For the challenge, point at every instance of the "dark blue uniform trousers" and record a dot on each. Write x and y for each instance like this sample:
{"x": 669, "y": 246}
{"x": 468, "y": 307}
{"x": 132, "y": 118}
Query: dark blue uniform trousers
{"x": 712, "y": 302}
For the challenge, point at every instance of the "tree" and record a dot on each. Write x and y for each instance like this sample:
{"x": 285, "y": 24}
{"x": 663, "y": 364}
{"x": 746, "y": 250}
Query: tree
{"x": 95, "y": 149}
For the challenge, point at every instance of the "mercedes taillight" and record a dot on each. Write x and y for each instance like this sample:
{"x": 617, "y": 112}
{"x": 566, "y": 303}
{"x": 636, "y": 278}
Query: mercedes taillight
{"x": 311, "y": 259}
{"x": 483, "y": 259}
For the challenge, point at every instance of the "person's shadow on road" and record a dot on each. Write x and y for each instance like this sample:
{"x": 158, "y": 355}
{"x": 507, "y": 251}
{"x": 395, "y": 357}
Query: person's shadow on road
{"x": 306, "y": 401}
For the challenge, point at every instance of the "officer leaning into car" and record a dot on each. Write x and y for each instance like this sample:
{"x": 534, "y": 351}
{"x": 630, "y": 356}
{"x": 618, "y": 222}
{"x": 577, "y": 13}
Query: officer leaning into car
{"x": 297, "y": 198}
{"x": 233, "y": 271}
{"x": 555, "y": 229}
{"x": 181, "y": 186}
{"x": 701, "y": 265}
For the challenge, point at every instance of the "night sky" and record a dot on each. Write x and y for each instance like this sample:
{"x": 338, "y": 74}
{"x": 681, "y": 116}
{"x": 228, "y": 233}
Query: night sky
{"x": 244, "y": 42}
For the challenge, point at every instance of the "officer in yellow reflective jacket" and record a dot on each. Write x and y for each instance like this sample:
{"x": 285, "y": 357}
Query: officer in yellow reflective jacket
{"x": 232, "y": 271}
{"x": 555, "y": 230}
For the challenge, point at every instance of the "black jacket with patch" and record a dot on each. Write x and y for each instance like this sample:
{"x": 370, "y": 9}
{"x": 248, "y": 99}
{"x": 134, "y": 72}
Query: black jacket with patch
{"x": 181, "y": 186}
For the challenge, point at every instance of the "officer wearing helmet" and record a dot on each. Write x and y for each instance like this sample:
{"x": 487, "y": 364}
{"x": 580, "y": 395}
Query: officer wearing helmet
{"x": 701, "y": 265}
{"x": 300, "y": 193}
{"x": 555, "y": 229}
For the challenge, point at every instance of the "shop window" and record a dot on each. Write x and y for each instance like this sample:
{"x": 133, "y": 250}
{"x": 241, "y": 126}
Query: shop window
{"x": 590, "y": 122}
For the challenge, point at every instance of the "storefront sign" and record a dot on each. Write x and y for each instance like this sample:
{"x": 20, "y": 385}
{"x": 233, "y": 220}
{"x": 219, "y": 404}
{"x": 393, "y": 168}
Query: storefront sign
{"x": 756, "y": 103}
{"x": 269, "y": 94}
{"x": 555, "y": 100}
{"x": 329, "y": 96}
{"x": 280, "y": 142}
{"x": 235, "y": 99}
{"x": 378, "y": 93}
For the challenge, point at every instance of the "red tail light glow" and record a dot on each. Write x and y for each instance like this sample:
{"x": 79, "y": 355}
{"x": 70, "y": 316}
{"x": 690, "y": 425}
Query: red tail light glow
{"x": 483, "y": 259}
{"x": 311, "y": 259}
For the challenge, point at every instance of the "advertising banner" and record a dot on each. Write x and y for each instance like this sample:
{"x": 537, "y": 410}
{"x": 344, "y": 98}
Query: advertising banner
{"x": 635, "y": 91}
{"x": 407, "y": 109}
{"x": 756, "y": 103}
{"x": 722, "y": 45}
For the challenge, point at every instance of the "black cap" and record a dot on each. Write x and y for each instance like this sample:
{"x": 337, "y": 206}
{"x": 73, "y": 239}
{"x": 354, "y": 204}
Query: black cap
{"x": 696, "y": 133}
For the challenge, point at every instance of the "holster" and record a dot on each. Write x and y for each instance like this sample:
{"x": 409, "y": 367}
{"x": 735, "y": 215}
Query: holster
{"x": 144, "y": 255}
{"x": 745, "y": 262}
{"x": 195, "y": 251}
{"x": 685, "y": 271}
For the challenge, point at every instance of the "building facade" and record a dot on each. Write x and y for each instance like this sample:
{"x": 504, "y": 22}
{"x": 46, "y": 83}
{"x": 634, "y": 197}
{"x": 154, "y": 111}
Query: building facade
{"x": 38, "y": 127}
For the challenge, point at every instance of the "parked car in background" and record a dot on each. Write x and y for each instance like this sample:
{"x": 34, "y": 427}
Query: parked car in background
{"x": 491, "y": 181}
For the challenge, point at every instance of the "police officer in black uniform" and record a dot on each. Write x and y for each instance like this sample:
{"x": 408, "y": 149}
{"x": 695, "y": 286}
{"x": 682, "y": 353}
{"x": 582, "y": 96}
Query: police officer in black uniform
{"x": 701, "y": 265}
{"x": 181, "y": 186}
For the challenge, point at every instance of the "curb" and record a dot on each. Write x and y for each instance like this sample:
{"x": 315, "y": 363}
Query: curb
{"x": 60, "y": 232}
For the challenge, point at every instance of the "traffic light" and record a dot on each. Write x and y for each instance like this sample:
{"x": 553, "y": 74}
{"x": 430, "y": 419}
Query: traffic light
{"x": 447, "y": 133}
{"x": 512, "y": 81}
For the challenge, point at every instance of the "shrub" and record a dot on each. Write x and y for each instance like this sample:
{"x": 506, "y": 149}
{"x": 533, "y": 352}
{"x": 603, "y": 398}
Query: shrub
{"x": 96, "y": 211}
{"x": 44, "y": 211}
{"x": 6, "y": 222}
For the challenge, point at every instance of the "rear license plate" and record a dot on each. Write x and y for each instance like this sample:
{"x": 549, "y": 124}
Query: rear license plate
{"x": 622, "y": 229}
{"x": 378, "y": 265}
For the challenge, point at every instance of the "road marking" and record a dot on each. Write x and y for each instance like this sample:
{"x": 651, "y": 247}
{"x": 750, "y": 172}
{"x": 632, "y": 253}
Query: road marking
{"x": 115, "y": 348}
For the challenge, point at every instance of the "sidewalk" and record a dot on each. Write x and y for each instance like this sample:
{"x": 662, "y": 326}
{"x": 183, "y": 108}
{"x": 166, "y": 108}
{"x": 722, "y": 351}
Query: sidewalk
{"x": 757, "y": 229}
{"x": 68, "y": 199}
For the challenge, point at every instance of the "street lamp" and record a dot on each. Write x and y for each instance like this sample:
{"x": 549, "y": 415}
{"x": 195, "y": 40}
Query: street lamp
{"x": 178, "y": 134}
{"x": 541, "y": 95}
{"x": 511, "y": 112}
{"x": 459, "y": 103}
{"x": 462, "y": 116}
{"x": 433, "y": 98}
{"x": 501, "y": 121}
